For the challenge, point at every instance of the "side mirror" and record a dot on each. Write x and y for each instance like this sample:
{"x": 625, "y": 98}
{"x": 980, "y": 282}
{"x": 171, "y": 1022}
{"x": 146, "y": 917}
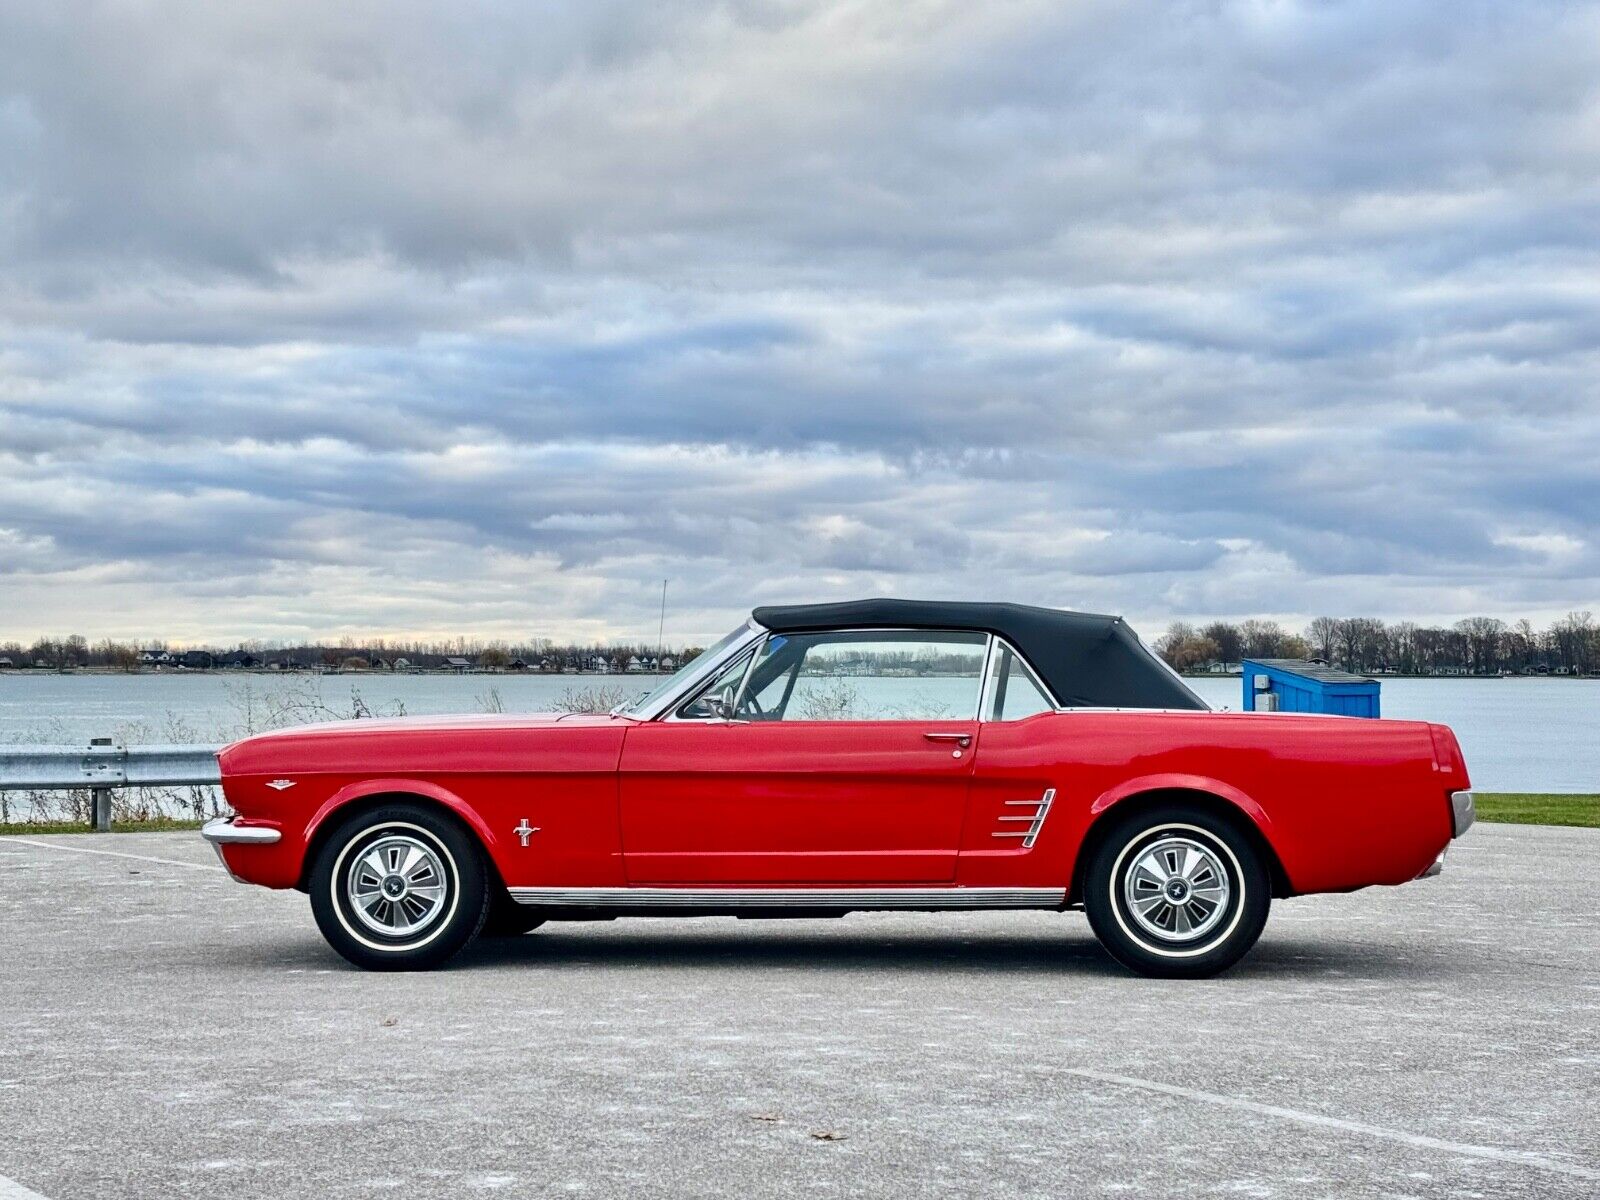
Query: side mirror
{"x": 710, "y": 708}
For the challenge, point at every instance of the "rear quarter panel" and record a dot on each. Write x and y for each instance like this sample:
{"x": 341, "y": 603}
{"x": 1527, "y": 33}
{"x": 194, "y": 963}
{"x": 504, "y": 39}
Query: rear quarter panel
{"x": 1344, "y": 802}
{"x": 561, "y": 777}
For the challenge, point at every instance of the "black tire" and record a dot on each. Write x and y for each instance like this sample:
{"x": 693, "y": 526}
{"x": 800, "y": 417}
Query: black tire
{"x": 1185, "y": 925}
{"x": 507, "y": 918}
{"x": 443, "y": 890}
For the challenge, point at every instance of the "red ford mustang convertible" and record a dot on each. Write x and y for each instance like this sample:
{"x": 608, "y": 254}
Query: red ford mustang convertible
{"x": 824, "y": 759}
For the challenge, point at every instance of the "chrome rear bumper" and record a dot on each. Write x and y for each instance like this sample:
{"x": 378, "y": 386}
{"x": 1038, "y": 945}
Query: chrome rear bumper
{"x": 1462, "y": 814}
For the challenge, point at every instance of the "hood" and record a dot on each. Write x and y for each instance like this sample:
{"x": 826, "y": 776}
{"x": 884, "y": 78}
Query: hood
{"x": 444, "y": 722}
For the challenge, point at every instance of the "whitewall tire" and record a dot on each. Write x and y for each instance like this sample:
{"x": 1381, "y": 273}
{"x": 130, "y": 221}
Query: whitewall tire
{"x": 399, "y": 888}
{"x": 1176, "y": 891}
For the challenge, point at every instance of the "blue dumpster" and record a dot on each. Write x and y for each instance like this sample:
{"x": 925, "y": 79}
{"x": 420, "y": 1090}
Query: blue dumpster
{"x": 1294, "y": 685}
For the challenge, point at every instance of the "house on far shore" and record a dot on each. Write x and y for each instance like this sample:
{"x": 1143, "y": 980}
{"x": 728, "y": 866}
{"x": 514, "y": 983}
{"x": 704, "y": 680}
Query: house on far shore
{"x": 6, "y": 664}
{"x": 154, "y": 658}
{"x": 458, "y": 665}
{"x": 197, "y": 660}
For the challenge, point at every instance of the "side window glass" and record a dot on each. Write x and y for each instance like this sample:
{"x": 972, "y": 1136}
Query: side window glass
{"x": 878, "y": 675}
{"x": 716, "y": 700}
{"x": 1013, "y": 691}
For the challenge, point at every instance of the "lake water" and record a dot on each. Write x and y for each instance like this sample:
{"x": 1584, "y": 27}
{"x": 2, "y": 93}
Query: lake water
{"x": 1527, "y": 735}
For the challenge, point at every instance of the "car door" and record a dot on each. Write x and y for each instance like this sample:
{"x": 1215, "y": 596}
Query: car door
{"x": 1019, "y": 823}
{"x": 837, "y": 757}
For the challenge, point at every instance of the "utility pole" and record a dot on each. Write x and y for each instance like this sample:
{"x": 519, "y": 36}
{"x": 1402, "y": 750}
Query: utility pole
{"x": 661, "y": 629}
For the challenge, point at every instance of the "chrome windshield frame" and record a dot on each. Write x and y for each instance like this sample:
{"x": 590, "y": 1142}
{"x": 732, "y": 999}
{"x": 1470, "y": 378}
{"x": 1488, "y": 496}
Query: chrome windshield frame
{"x": 661, "y": 705}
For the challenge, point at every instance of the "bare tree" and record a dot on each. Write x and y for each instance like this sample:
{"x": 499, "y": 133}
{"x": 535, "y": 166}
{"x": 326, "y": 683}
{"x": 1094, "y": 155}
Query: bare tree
{"x": 1170, "y": 642}
{"x": 1228, "y": 639}
{"x": 1323, "y": 634}
{"x": 1483, "y": 636}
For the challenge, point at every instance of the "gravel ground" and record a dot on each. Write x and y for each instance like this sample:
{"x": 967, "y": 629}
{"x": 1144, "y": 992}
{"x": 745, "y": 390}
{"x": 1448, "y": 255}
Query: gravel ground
{"x": 169, "y": 1032}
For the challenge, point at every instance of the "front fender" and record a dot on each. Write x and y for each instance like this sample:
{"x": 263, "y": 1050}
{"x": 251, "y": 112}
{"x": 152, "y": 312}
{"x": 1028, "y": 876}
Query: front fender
{"x": 365, "y": 788}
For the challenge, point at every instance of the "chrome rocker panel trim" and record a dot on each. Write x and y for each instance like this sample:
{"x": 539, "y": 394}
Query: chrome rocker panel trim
{"x": 830, "y": 898}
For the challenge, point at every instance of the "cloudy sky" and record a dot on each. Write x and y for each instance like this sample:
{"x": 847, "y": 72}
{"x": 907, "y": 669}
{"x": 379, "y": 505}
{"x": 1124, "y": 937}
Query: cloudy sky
{"x": 484, "y": 318}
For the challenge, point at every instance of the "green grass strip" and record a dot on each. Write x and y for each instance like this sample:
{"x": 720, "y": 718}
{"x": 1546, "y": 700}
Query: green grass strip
{"x": 154, "y": 825}
{"x": 1538, "y": 808}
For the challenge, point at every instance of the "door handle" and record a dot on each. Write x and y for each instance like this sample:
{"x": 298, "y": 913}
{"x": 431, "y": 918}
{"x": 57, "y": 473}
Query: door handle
{"x": 938, "y": 735}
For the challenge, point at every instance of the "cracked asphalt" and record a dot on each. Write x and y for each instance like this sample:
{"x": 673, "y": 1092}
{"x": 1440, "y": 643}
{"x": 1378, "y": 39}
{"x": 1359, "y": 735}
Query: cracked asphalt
{"x": 165, "y": 1031}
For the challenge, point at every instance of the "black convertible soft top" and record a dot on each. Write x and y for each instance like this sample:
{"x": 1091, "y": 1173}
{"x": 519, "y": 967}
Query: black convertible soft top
{"x": 1088, "y": 660}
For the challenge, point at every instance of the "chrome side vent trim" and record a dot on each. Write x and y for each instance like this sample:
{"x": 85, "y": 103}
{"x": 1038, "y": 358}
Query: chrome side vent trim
{"x": 1034, "y": 820}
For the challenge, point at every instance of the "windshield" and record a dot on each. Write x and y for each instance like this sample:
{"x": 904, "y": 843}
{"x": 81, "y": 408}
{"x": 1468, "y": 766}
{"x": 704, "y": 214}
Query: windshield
{"x": 672, "y": 681}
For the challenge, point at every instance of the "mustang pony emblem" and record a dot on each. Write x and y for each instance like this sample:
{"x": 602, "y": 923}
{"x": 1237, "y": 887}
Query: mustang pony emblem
{"x": 279, "y": 785}
{"x": 524, "y": 830}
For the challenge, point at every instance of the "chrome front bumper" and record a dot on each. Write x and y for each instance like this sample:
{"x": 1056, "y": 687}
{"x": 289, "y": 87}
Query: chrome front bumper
{"x": 221, "y": 831}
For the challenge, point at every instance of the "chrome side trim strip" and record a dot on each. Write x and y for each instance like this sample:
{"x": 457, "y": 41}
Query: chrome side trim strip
{"x": 991, "y": 651}
{"x": 847, "y": 898}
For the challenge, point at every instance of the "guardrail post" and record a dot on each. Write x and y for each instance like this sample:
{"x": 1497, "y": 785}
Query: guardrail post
{"x": 101, "y": 816}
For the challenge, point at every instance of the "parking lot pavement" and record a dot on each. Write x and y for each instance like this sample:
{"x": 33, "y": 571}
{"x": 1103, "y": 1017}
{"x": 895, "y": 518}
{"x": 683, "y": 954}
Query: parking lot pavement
{"x": 164, "y": 1031}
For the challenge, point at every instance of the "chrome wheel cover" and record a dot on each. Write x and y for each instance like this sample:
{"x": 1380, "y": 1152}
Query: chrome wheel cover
{"x": 397, "y": 886}
{"x": 1177, "y": 889}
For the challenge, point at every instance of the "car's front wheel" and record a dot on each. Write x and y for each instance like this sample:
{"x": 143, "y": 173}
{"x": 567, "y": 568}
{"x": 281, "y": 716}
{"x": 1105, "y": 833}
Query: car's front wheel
{"x": 1176, "y": 892}
{"x": 399, "y": 888}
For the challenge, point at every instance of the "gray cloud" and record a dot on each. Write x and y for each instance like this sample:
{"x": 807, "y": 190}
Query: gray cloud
{"x": 432, "y": 317}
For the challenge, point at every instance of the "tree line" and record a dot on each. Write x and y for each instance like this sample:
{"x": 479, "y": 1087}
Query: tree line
{"x": 1472, "y": 646}
{"x": 73, "y": 652}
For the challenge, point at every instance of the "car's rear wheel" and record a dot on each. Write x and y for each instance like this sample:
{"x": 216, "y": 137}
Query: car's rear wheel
{"x": 1176, "y": 892}
{"x": 399, "y": 888}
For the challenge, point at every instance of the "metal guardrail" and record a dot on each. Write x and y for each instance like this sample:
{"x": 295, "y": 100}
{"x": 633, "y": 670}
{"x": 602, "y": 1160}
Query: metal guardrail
{"x": 101, "y": 766}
